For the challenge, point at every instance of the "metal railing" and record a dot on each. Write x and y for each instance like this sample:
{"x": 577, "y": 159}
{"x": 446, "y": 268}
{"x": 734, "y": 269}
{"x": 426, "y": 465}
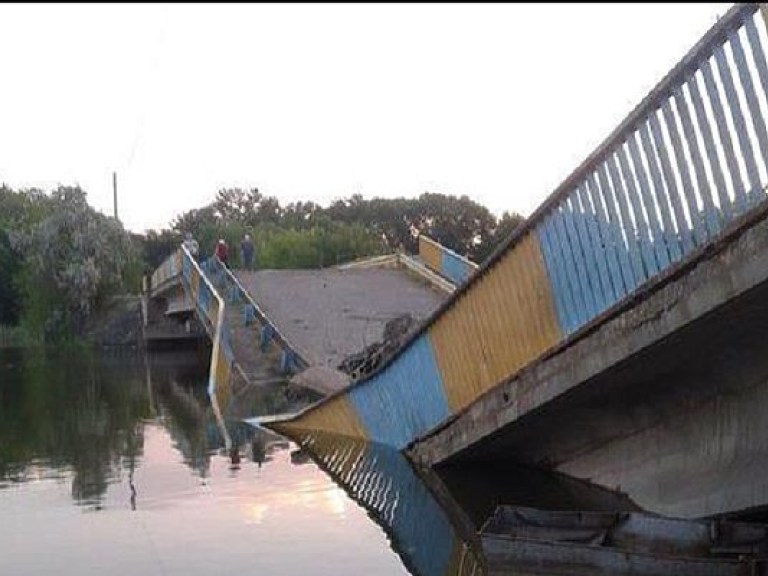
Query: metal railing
{"x": 211, "y": 309}
{"x": 291, "y": 359}
{"x": 686, "y": 162}
{"x": 686, "y": 166}
{"x": 445, "y": 261}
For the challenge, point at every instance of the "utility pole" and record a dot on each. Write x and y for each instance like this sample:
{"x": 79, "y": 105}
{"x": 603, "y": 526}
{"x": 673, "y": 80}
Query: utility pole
{"x": 114, "y": 192}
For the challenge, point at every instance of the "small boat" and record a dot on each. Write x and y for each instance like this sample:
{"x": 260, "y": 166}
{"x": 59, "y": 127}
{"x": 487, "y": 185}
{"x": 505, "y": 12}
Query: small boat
{"x": 528, "y": 541}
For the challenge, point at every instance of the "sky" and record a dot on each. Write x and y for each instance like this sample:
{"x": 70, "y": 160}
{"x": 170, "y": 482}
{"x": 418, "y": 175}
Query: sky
{"x": 500, "y": 102}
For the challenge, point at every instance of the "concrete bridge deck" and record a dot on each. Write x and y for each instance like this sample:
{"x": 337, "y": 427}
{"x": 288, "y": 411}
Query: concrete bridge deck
{"x": 302, "y": 324}
{"x": 333, "y": 313}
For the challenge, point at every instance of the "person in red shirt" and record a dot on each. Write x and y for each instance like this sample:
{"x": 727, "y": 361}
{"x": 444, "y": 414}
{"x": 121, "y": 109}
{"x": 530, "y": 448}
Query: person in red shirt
{"x": 222, "y": 252}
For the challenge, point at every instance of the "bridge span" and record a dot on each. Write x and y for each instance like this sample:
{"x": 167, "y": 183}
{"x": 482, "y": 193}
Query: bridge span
{"x": 617, "y": 334}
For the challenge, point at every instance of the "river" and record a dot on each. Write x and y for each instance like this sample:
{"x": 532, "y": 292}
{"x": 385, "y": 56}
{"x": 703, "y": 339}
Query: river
{"x": 113, "y": 464}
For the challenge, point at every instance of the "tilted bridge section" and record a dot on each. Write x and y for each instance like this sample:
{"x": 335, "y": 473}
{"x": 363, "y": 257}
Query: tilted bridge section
{"x": 677, "y": 189}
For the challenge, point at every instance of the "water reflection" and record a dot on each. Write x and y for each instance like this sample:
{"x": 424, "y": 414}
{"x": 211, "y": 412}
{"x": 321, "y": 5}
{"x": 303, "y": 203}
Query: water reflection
{"x": 427, "y": 529}
{"x": 83, "y": 416}
{"x": 68, "y": 417}
{"x": 117, "y": 430}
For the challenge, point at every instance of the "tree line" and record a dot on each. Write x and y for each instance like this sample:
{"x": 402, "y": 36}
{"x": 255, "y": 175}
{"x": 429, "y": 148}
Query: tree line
{"x": 61, "y": 260}
{"x": 307, "y": 235}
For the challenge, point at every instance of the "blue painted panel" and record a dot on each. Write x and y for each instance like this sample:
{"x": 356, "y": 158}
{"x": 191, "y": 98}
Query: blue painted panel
{"x": 670, "y": 239}
{"x": 683, "y": 230}
{"x": 650, "y": 266}
{"x": 562, "y": 247}
{"x": 738, "y": 122}
{"x": 454, "y": 267}
{"x": 555, "y": 272}
{"x": 629, "y": 233}
{"x": 287, "y": 361}
{"x": 739, "y": 202}
{"x": 658, "y": 245}
{"x": 265, "y": 336}
{"x": 593, "y": 251}
{"x": 249, "y": 314}
{"x": 614, "y": 228}
{"x": 707, "y": 219}
{"x": 204, "y": 297}
{"x": 754, "y": 109}
{"x": 617, "y": 289}
{"x": 574, "y": 241}
{"x": 403, "y": 401}
{"x": 709, "y": 145}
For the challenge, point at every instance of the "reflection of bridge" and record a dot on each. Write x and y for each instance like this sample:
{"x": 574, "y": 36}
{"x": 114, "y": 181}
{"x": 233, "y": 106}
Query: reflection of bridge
{"x": 618, "y": 334}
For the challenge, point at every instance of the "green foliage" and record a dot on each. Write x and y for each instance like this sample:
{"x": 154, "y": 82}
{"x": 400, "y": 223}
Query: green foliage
{"x": 18, "y": 211}
{"x": 324, "y": 245}
{"x": 10, "y": 265}
{"x": 303, "y": 234}
{"x": 64, "y": 260}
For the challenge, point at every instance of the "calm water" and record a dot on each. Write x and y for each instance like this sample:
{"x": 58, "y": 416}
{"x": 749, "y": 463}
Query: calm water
{"x": 115, "y": 465}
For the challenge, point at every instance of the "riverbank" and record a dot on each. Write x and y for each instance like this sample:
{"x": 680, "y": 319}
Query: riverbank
{"x": 118, "y": 325}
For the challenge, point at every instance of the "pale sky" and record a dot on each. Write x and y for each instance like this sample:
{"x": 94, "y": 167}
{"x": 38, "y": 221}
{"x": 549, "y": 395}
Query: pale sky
{"x": 317, "y": 102}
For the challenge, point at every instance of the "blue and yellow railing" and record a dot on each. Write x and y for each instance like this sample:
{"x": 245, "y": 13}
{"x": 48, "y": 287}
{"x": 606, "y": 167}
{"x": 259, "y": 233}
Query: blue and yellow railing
{"x": 688, "y": 163}
{"x": 210, "y": 286}
{"x": 211, "y": 310}
{"x": 445, "y": 261}
{"x": 291, "y": 360}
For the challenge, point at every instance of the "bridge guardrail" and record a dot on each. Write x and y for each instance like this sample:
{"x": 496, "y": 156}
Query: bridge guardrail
{"x": 291, "y": 358}
{"x": 684, "y": 164}
{"x": 445, "y": 261}
{"x": 688, "y": 163}
{"x": 211, "y": 309}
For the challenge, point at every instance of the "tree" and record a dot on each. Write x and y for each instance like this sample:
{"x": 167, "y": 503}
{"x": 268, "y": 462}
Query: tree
{"x": 73, "y": 259}
{"x": 390, "y": 224}
{"x": 504, "y": 228}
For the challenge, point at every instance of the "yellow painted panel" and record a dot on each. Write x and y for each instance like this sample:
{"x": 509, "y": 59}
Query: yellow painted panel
{"x": 430, "y": 253}
{"x": 221, "y": 379}
{"x": 336, "y": 416}
{"x": 213, "y": 312}
{"x": 505, "y": 320}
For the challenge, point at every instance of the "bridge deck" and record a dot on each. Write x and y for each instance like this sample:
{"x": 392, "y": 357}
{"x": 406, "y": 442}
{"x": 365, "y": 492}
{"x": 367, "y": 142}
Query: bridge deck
{"x": 330, "y": 314}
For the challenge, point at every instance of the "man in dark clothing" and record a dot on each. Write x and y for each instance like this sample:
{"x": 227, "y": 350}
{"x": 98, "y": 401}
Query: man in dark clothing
{"x": 246, "y": 252}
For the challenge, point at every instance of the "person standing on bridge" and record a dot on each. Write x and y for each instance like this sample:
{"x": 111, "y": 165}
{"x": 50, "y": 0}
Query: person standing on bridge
{"x": 246, "y": 252}
{"x": 222, "y": 252}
